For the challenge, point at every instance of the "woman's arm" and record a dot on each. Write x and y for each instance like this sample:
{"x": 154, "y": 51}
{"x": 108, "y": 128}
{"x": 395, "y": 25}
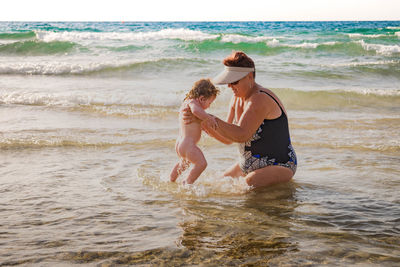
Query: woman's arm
{"x": 255, "y": 111}
{"x": 231, "y": 115}
{"x": 213, "y": 133}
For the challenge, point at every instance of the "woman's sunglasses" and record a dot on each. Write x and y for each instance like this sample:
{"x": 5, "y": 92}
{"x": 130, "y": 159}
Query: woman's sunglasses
{"x": 234, "y": 83}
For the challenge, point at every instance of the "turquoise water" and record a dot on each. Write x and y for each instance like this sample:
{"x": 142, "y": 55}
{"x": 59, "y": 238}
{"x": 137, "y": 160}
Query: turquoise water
{"x": 290, "y": 54}
{"x": 88, "y": 121}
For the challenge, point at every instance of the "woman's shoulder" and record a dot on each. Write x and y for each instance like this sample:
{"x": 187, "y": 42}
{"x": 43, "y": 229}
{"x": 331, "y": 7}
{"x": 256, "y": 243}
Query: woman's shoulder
{"x": 272, "y": 97}
{"x": 265, "y": 91}
{"x": 262, "y": 96}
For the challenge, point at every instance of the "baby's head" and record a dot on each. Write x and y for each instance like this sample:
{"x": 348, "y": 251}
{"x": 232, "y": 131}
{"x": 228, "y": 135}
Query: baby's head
{"x": 204, "y": 91}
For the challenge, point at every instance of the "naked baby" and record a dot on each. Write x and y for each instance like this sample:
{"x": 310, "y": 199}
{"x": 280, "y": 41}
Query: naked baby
{"x": 199, "y": 98}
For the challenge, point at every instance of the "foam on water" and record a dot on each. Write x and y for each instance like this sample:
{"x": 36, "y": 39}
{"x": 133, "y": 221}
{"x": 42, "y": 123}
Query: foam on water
{"x": 367, "y": 63}
{"x": 380, "y": 48}
{"x": 57, "y": 67}
{"x": 182, "y": 34}
{"x": 359, "y": 35}
{"x": 209, "y": 184}
{"x": 236, "y": 38}
{"x": 113, "y": 102}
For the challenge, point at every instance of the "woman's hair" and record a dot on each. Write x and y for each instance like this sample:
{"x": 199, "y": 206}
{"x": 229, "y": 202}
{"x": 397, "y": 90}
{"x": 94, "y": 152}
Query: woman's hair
{"x": 239, "y": 59}
{"x": 203, "y": 87}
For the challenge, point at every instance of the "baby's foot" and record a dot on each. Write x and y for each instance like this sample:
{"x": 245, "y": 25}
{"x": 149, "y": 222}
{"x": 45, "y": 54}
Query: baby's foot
{"x": 187, "y": 182}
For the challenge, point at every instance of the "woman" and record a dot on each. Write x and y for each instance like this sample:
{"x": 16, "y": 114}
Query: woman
{"x": 257, "y": 121}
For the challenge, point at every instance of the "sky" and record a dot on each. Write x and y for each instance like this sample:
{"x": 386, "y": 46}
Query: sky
{"x": 198, "y": 10}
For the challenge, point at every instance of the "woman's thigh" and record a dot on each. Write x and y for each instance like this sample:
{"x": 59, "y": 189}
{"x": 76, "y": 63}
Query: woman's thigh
{"x": 268, "y": 176}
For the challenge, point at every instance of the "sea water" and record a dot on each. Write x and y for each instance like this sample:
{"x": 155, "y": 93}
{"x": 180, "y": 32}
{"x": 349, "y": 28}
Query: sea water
{"x": 88, "y": 122}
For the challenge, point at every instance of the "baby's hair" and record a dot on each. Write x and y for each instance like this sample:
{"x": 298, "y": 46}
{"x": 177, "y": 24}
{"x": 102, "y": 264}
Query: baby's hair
{"x": 203, "y": 87}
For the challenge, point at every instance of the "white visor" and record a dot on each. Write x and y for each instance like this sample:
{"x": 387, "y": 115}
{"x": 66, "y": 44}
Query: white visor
{"x": 231, "y": 75}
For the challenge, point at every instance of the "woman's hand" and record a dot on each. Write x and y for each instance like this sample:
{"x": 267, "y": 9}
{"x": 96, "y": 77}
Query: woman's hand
{"x": 187, "y": 115}
{"x": 211, "y": 129}
{"x": 209, "y": 124}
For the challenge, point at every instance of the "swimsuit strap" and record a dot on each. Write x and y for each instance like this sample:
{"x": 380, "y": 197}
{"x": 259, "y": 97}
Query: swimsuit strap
{"x": 274, "y": 100}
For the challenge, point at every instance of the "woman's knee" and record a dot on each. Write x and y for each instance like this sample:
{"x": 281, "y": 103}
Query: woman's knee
{"x": 234, "y": 171}
{"x": 269, "y": 176}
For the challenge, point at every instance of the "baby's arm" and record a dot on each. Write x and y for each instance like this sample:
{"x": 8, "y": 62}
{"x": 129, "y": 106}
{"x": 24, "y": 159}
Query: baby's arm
{"x": 200, "y": 113}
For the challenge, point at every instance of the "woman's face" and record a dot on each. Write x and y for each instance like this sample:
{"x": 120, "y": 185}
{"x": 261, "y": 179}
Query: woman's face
{"x": 240, "y": 87}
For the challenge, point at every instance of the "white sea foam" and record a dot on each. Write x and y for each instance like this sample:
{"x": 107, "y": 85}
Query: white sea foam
{"x": 47, "y": 99}
{"x": 393, "y": 28}
{"x": 377, "y": 92}
{"x": 107, "y": 102}
{"x": 367, "y": 63}
{"x": 211, "y": 183}
{"x": 359, "y": 35}
{"x": 236, "y": 38}
{"x": 308, "y": 45}
{"x": 183, "y": 34}
{"x": 53, "y": 67}
{"x": 397, "y": 34}
{"x": 273, "y": 43}
{"x": 50, "y": 68}
{"x": 304, "y": 45}
{"x": 380, "y": 49}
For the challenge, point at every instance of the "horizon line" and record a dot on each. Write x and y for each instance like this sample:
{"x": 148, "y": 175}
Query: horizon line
{"x": 124, "y": 21}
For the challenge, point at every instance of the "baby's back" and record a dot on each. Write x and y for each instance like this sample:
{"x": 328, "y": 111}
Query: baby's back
{"x": 191, "y": 130}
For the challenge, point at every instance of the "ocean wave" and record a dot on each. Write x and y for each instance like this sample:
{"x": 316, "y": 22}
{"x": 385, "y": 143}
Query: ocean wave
{"x": 17, "y": 35}
{"x": 79, "y": 139}
{"x": 148, "y": 104}
{"x": 360, "y": 35}
{"x": 156, "y": 108}
{"x": 355, "y": 147}
{"x": 384, "y": 68}
{"x": 145, "y": 104}
{"x": 182, "y": 34}
{"x": 351, "y": 47}
{"x": 272, "y": 45}
{"x": 275, "y": 46}
{"x": 238, "y": 38}
{"x": 36, "y": 48}
{"x": 367, "y": 63}
{"x": 54, "y": 67}
{"x": 380, "y": 48}
{"x": 339, "y": 99}
{"x": 310, "y": 45}
{"x": 269, "y": 41}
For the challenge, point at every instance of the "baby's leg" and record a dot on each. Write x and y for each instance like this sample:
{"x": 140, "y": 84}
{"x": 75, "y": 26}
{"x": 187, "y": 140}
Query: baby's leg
{"x": 180, "y": 167}
{"x": 196, "y": 157}
{"x": 174, "y": 173}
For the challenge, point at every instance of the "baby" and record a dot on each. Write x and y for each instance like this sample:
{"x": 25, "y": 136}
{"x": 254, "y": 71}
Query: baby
{"x": 200, "y": 97}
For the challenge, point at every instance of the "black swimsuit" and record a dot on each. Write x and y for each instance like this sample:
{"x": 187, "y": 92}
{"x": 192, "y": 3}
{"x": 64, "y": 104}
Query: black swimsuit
{"x": 270, "y": 145}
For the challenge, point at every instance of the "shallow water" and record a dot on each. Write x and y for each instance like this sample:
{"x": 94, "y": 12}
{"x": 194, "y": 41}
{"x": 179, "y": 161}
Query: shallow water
{"x": 87, "y": 133}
